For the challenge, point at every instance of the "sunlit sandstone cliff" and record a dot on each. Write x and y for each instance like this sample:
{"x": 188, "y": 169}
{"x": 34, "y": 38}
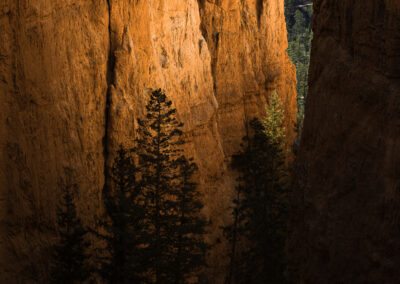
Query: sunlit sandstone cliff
{"x": 74, "y": 76}
{"x": 348, "y": 168}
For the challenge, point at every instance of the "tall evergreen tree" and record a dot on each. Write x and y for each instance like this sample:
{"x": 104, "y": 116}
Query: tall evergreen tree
{"x": 235, "y": 233}
{"x": 261, "y": 211}
{"x": 277, "y": 199}
{"x": 174, "y": 233}
{"x": 299, "y": 26}
{"x": 70, "y": 253}
{"x": 124, "y": 230}
{"x": 189, "y": 226}
{"x": 273, "y": 122}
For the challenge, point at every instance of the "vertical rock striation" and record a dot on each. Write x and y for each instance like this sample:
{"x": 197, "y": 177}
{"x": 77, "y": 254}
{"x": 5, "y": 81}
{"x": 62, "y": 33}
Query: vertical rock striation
{"x": 75, "y": 75}
{"x": 53, "y": 65}
{"x": 348, "y": 168}
{"x": 248, "y": 42}
{"x": 158, "y": 44}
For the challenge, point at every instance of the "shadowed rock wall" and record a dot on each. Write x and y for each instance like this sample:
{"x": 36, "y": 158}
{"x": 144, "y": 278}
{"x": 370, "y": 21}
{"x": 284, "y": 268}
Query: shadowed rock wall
{"x": 348, "y": 169}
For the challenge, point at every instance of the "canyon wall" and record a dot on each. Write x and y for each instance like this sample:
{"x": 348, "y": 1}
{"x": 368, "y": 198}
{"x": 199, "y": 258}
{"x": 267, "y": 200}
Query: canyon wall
{"x": 53, "y": 86}
{"x": 347, "y": 227}
{"x": 247, "y": 41}
{"x": 75, "y": 75}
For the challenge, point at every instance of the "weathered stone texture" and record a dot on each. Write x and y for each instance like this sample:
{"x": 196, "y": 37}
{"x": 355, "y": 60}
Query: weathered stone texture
{"x": 74, "y": 76}
{"x": 348, "y": 168}
{"x": 53, "y": 63}
{"x": 247, "y": 41}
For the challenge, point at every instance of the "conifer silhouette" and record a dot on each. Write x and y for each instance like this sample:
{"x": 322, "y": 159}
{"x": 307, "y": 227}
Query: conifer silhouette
{"x": 260, "y": 214}
{"x": 122, "y": 261}
{"x": 70, "y": 253}
{"x": 175, "y": 228}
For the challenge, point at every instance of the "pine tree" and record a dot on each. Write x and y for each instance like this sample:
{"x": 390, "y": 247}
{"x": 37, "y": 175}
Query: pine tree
{"x": 236, "y": 233}
{"x": 174, "y": 233}
{"x": 277, "y": 196}
{"x": 260, "y": 208}
{"x": 273, "y": 122}
{"x": 70, "y": 253}
{"x": 124, "y": 230}
{"x": 300, "y": 23}
{"x": 231, "y": 233}
{"x": 189, "y": 227}
{"x": 257, "y": 202}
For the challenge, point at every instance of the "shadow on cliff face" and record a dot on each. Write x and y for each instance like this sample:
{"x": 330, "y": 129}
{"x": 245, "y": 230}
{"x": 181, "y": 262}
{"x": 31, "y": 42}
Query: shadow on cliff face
{"x": 74, "y": 77}
{"x": 346, "y": 184}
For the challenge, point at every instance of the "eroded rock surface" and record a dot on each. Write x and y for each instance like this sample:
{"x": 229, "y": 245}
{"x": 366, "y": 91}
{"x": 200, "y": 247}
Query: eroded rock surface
{"x": 348, "y": 168}
{"x": 74, "y": 76}
{"x": 247, "y": 41}
{"x": 53, "y": 66}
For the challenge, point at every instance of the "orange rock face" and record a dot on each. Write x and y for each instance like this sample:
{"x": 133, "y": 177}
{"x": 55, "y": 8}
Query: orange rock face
{"x": 348, "y": 168}
{"x": 247, "y": 41}
{"x": 74, "y": 76}
{"x": 53, "y": 67}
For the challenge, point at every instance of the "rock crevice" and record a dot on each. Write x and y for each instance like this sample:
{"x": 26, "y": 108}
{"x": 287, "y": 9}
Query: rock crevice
{"x": 110, "y": 76}
{"x": 75, "y": 75}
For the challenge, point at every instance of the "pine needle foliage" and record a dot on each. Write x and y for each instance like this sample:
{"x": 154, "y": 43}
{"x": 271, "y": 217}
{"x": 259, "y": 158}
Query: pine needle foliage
{"x": 273, "y": 122}
{"x": 175, "y": 246}
{"x": 298, "y": 14}
{"x": 260, "y": 208}
{"x": 70, "y": 253}
{"x": 189, "y": 226}
{"x": 122, "y": 257}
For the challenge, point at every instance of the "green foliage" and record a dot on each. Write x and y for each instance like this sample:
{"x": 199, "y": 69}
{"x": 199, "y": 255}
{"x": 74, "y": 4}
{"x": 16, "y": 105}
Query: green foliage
{"x": 175, "y": 229}
{"x": 260, "y": 210}
{"x": 124, "y": 238}
{"x": 69, "y": 254}
{"x": 290, "y": 9}
{"x": 273, "y": 122}
{"x": 298, "y": 22}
